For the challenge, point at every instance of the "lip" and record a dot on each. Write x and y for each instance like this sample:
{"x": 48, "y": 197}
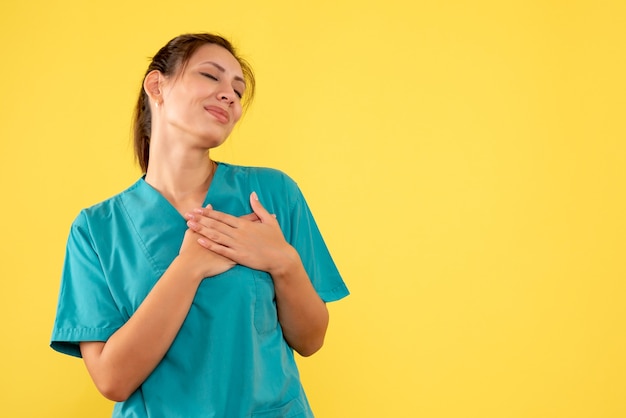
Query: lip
{"x": 220, "y": 114}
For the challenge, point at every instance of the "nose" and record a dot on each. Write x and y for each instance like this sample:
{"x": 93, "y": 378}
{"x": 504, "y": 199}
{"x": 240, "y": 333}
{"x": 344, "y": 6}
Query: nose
{"x": 226, "y": 97}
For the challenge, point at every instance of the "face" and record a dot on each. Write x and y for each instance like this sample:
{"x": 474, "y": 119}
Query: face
{"x": 202, "y": 103}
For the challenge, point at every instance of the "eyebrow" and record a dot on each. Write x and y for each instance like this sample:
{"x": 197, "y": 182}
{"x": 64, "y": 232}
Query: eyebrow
{"x": 223, "y": 70}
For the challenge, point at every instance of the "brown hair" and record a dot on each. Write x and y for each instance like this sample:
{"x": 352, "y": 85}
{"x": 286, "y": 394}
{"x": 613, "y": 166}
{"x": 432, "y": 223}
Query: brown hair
{"x": 174, "y": 55}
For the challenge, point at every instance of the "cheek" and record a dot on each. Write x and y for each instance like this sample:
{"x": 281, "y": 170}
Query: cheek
{"x": 237, "y": 114}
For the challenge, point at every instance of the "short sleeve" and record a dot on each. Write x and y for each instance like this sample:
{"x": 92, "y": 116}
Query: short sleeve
{"x": 86, "y": 310}
{"x": 304, "y": 235}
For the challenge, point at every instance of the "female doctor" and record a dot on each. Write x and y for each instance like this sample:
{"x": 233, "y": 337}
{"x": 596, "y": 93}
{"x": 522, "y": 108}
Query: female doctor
{"x": 187, "y": 293}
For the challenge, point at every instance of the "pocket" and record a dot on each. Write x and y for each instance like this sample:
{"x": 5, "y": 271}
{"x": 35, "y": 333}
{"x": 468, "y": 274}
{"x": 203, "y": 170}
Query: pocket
{"x": 292, "y": 409}
{"x": 265, "y": 314}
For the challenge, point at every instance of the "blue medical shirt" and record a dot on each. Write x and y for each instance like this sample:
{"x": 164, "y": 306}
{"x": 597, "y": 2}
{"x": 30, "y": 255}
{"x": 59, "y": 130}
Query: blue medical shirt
{"x": 230, "y": 358}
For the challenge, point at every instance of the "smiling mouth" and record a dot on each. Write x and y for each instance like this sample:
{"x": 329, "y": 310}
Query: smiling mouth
{"x": 220, "y": 114}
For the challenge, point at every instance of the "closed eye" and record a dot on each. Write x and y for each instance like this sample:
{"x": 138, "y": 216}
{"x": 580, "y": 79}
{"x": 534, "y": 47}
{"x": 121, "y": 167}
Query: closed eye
{"x": 211, "y": 76}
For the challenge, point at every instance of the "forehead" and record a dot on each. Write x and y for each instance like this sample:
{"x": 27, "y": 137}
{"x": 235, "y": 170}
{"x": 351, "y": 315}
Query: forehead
{"x": 212, "y": 53}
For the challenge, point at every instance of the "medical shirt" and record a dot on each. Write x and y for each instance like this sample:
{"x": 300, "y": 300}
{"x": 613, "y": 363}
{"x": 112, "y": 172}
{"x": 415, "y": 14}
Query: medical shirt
{"x": 230, "y": 358}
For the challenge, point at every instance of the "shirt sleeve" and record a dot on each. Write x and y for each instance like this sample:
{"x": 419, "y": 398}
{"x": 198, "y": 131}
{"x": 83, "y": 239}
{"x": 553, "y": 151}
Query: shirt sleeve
{"x": 304, "y": 235}
{"x": 86, "y": 310}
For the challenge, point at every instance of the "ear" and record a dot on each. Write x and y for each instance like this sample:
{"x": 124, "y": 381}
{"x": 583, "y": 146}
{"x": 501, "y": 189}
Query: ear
{"x": 152, "y": 86}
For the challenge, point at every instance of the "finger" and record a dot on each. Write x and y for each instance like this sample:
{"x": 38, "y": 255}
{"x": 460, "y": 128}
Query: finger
{"x": 259, "y": 210}
{"x": 213, "y": 230}
{"x": 252, "y": 217}
{"x": 209, "y": 212}
{"x": 199, "y": 211}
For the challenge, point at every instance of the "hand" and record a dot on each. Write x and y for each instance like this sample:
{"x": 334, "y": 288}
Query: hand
{"x": 202, "y": 260}
{"x": 254, "y": 240}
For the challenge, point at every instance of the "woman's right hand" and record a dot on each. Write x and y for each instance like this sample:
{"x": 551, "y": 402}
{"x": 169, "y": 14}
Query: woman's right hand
{"x": 203, "y": 262}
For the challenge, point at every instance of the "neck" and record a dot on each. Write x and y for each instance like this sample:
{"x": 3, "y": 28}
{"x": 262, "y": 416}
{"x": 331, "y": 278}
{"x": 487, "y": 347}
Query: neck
{"x": 182, "y": 178}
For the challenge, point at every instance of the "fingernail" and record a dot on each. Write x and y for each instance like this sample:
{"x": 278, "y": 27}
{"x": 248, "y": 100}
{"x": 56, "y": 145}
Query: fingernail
{"x": 198, "y": 211}
{"x": 254, "y": 196}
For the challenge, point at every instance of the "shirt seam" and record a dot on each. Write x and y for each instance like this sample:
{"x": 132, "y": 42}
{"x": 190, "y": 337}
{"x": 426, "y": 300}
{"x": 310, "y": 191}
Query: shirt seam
{"x": 153, "y": 262}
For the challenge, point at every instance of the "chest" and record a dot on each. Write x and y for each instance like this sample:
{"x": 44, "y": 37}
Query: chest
{"x": 134, "y": 260}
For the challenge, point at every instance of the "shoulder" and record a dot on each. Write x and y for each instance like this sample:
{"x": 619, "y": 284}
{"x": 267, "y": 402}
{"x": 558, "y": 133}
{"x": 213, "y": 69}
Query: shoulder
{"x": 265, "y": 176}
{"x": 274, "y": 188}
{"x": 260, "y": 172}
{"x": 102, "y": 212}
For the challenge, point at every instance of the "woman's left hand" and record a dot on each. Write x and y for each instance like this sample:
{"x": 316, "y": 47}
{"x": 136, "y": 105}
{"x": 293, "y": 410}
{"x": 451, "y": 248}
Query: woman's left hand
{"x": 254, "y": 240}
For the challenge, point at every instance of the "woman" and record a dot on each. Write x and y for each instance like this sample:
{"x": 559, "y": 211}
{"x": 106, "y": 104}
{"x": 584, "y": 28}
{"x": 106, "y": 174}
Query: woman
{"x": 187, "y": 293}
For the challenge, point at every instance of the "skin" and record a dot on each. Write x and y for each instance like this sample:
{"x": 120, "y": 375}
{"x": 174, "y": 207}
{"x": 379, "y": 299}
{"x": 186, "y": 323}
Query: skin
{"x": 194, "y": 111}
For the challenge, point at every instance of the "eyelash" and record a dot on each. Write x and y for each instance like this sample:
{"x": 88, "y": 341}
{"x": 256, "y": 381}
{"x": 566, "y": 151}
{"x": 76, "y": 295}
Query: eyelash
{"x": 212, "y": 77}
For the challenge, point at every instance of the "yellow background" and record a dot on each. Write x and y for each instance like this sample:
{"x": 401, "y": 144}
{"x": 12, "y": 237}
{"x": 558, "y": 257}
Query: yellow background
{"x": 466, "y": 162}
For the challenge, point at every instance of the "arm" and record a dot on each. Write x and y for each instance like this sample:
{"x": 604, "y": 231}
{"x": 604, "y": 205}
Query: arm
{"x": 261, "y": 245}
{"x": 119, "y": 365}
{"x": 302, "y": 314}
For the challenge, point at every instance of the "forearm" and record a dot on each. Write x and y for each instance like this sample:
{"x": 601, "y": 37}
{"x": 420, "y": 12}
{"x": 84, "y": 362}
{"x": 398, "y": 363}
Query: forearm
{"x": 302, "y": 314}
{"x": 120, "y": 365}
